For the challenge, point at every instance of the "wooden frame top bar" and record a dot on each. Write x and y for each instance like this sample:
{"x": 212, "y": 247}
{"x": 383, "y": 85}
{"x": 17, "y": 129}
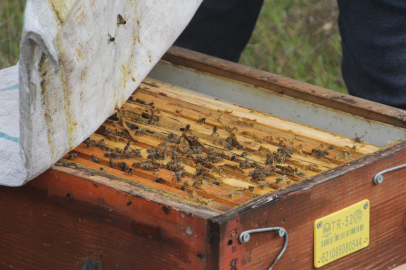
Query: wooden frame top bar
{"x": 289, "y": 87}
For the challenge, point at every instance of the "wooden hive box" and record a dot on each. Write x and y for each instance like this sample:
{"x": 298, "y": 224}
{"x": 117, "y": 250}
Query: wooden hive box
{"x": 220, "y": 169}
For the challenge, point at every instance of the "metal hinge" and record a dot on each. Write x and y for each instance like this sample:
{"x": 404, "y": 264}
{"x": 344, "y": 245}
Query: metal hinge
{"x": 378, "y": 178}
{"x": 245, "y": 237}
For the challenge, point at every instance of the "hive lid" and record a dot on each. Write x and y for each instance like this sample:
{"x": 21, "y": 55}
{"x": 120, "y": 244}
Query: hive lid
{"x": 79, "y": 60}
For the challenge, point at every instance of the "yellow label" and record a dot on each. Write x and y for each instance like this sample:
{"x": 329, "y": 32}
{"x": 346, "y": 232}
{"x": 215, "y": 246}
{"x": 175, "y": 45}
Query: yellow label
{"x": 341, "y": 233}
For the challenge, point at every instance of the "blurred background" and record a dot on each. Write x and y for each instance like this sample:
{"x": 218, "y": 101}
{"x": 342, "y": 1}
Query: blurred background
{"x": 11, "y": 24}
{"x": 298, "y": 39}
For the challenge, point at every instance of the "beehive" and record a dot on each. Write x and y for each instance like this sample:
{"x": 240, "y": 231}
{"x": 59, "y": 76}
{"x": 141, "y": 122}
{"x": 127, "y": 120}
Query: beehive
{"x": 83, "y": 213}
{"x": 203, "y": 151}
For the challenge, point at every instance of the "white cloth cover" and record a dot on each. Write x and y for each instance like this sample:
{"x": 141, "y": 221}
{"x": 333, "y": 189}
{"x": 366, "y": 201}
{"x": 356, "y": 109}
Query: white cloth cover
{"x": 71, "y": 75}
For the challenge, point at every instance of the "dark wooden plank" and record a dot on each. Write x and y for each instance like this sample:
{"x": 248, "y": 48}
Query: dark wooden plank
{"x": 297, "y": 208}
{"x": 282, "y": 85}
{"x": 41, "y": 229}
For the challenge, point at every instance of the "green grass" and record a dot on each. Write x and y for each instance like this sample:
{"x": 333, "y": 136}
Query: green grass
{"x": 298, "y": 39}
{"x": 11, "y": 24}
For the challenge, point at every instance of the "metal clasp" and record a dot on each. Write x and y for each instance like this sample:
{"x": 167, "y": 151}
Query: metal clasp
{"x": 245, "y": 237}
{"x": 378, "y": 178}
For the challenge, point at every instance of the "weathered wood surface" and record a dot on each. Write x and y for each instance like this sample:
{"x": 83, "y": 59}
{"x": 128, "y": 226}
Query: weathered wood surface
{"x": 41, "y": 229}
{"x": 286, "y": 86}
{"x": 301, "y": 204}
{"x": 128, "y": 221}
{"x": 175, "y": 98}
{"x": 155, "y": 117}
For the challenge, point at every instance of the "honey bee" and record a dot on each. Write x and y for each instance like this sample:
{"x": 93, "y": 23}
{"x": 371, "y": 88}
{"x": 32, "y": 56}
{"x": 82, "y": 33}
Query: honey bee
{"x": 131, "y": 125}
{"x": 72, "y": 156}
{"x": 239, "y": 146}
{"x": 212, "y": 152}
{"x": 102, "y": 169}
{"x": 174, "y": 153}
{"x": 202, "y": 121}
{"x": 244, "y": 154}
{"x": 178, "y": 175}
{"x": 111, "y": 163}
{"x": 331, "y": 147}
{"x": 122, "y": 165}
{"x": 270, "y": 159}
{"x": 198, "y": 150}
{"x": 127, "y": 146}
{"x": 128, "y": 154}
{"x": 147, "y": 167}
{"x": 103, "y": 147}
{"x": 185, "y": 129}
{"x": 137, "y": 165}
{"x": 255, "y": 173}
{"x": 140, "y": 101}
{"x": 155, "y": 165}
{"x": 197, "y": 183}
{"x": 357, "y": 138}
{"x": 137, "y": 152}
{"x": 129, "y": 171}
{"x": 281, "y": 157}
{"x": 198, "y": 173}
{"x": 320, "y": 153}
{"x": 91, "y": 143}
{"x": 120, "y": 20}
{"x": 152, "y": 118}
{"x": 140, "y": 132}
{"x": 111, "y": 39}
{"x": 185, "y": 184}
{"x": 214, "y": 131}
{"x": 108, "y": 132}
{"x": 280, "y": 180}
{"x": 69, "y": 197}
{"x": 263, "y": 185}
{"x": 110, "y": 155}
{"x": 229, "y": 140}
{"x": 100, "y": 143}
{"x": 246, "y": 164}
{"x": 95, "y": 159}
{"x": 158, "y": 180}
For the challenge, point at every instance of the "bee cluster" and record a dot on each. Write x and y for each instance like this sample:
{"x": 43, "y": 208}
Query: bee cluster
{"x": 207, "y": 157}
{"x": 171, "y": 153}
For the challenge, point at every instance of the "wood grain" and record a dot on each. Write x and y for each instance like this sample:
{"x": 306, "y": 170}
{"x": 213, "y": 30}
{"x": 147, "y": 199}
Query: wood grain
{"x": 298, "y": 208}
{"x": 42, "y": 229}
{"x": 286, "y": 86}
{"x": 225, "y": 185}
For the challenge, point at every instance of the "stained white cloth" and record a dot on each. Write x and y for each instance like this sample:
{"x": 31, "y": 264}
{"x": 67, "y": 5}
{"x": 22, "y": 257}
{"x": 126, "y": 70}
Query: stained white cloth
{"x": 72, "y": 74}
{"x": 12, "y": 160}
